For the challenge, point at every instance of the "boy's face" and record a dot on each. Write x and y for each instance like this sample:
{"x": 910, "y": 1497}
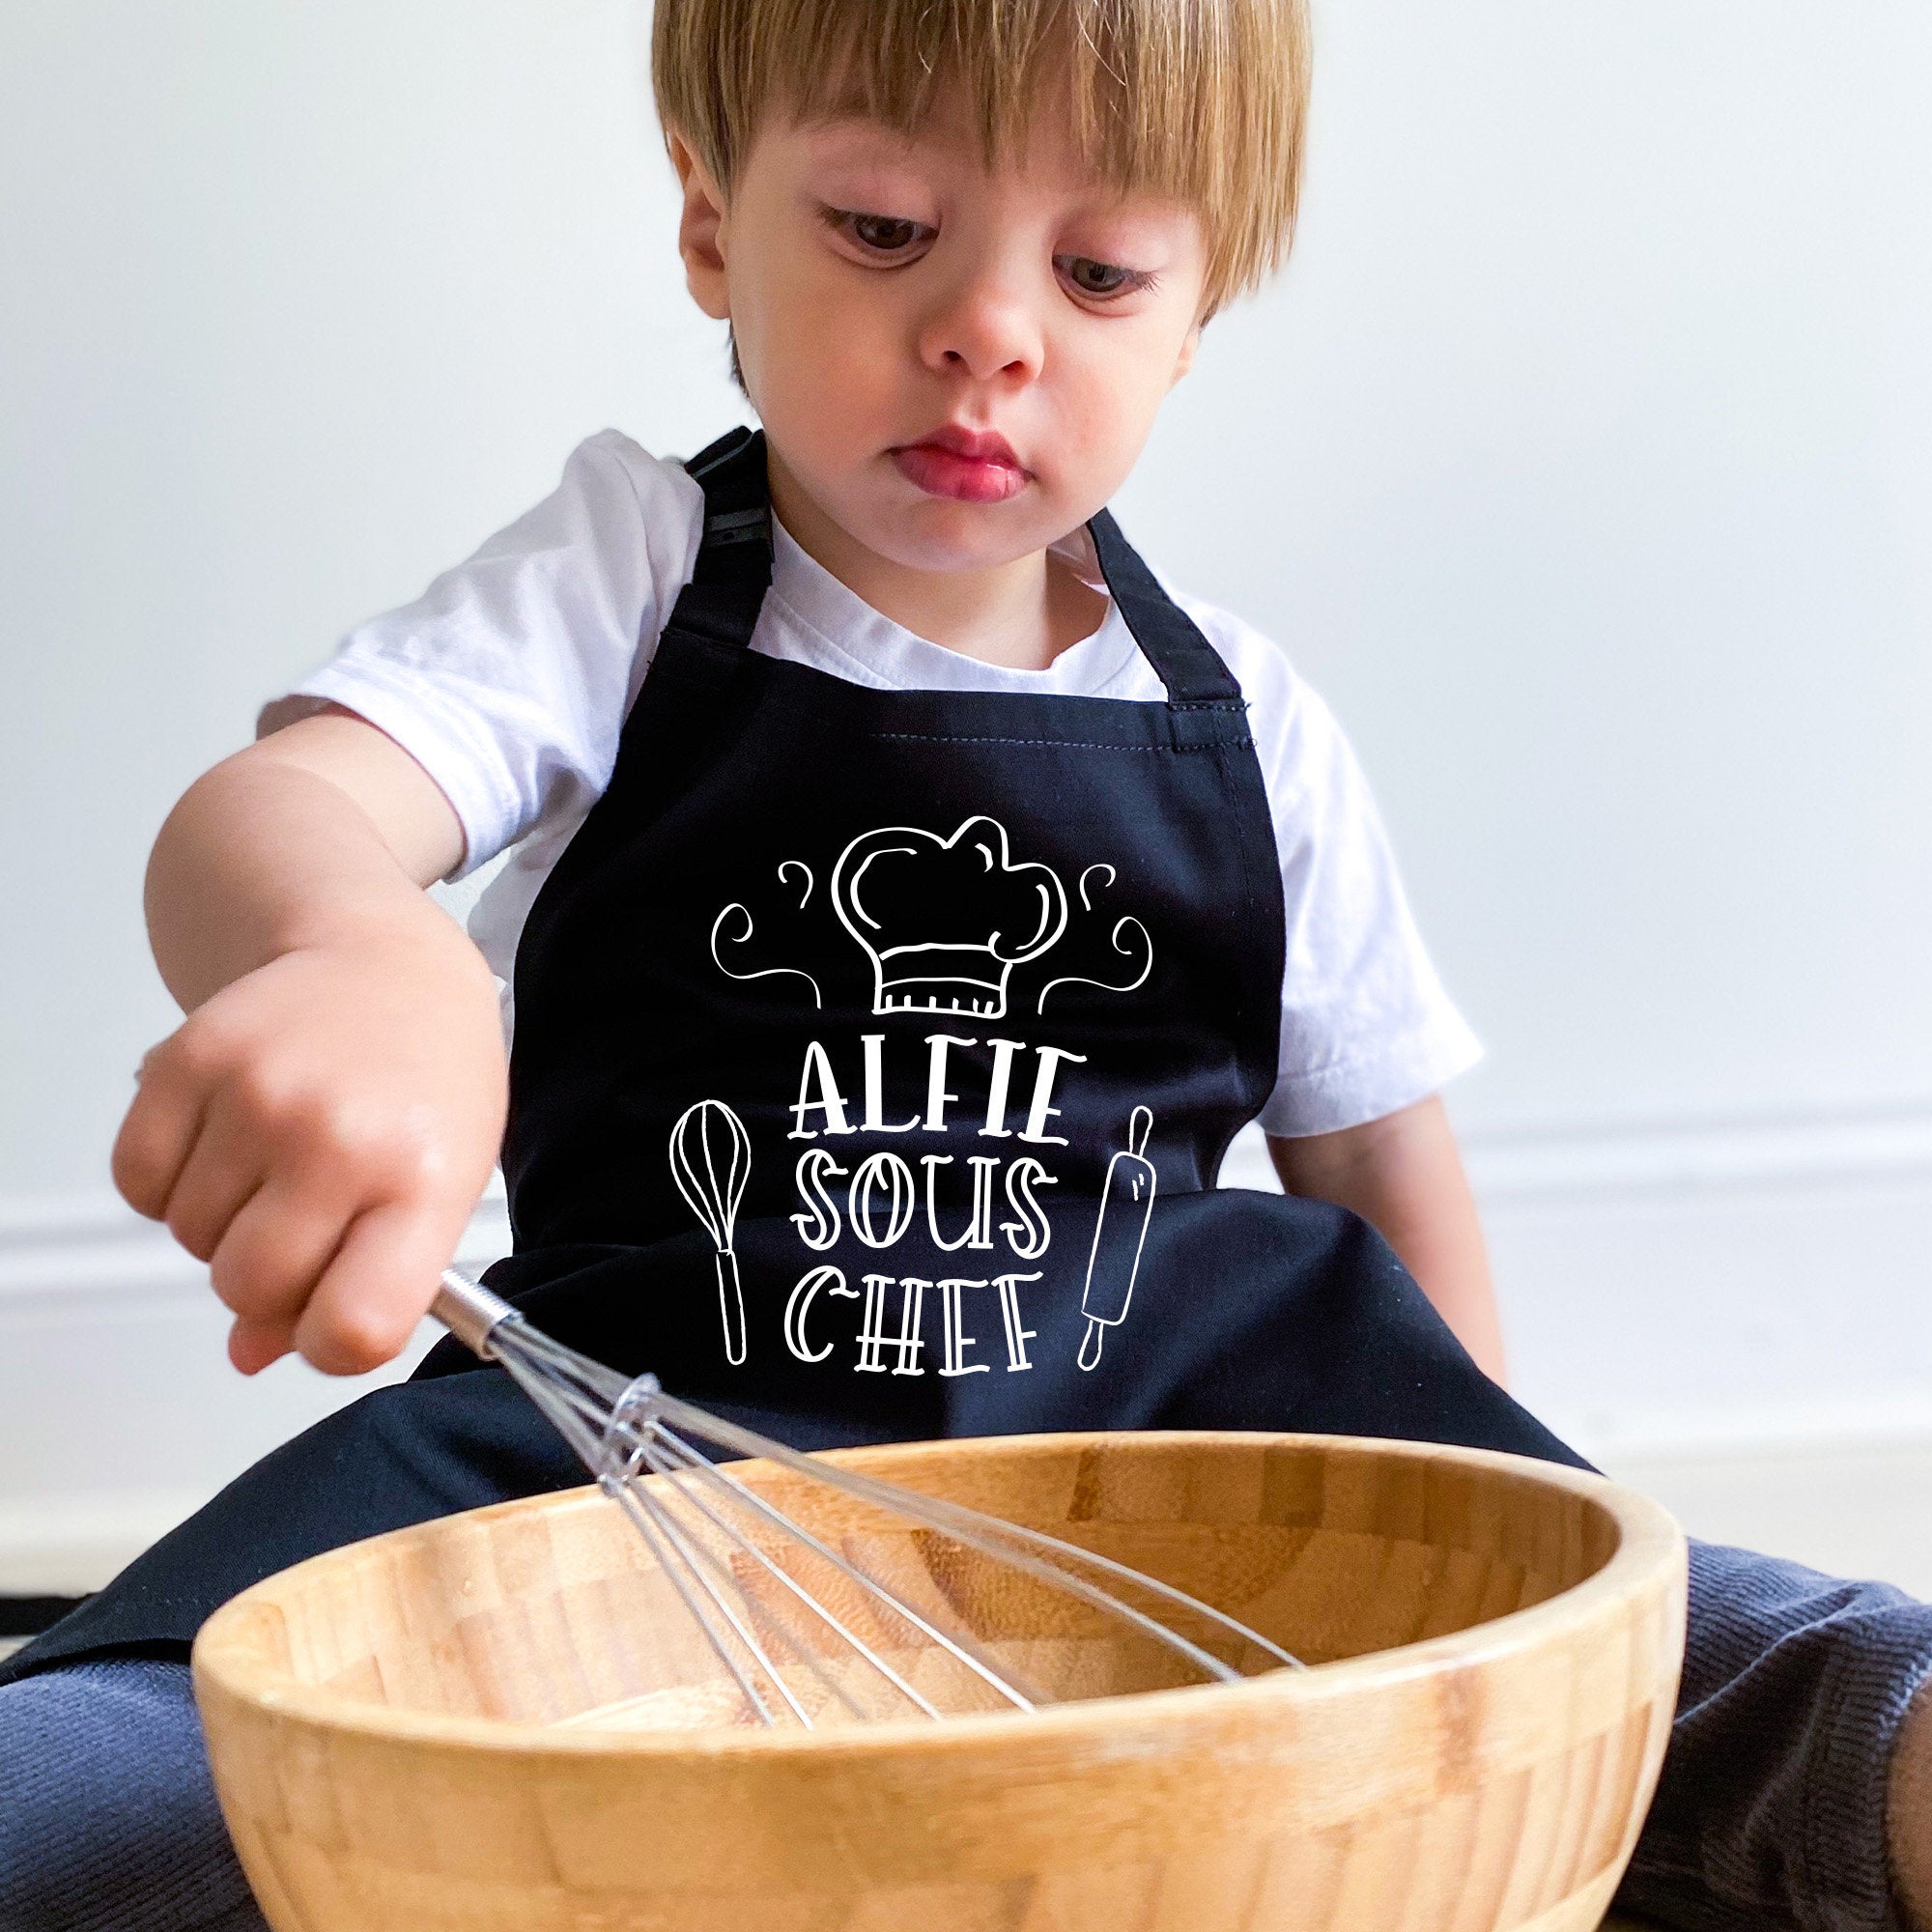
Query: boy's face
{"x": 957, "y": 367}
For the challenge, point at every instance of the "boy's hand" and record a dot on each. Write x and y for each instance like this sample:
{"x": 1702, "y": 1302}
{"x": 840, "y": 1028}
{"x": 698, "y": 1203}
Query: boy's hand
{"x": 318, "y": 1131}
{"x": 1909, "y": 1813}
{"x": 320, "y": 1124}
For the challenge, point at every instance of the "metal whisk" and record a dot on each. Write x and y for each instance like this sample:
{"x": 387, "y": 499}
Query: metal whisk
{"x": 802, "y": 1621}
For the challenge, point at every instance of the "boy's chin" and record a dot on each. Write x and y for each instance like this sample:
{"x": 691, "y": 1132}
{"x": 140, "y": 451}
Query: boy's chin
{"x": 947, "y": 537}
{"x": 875, "y": 506}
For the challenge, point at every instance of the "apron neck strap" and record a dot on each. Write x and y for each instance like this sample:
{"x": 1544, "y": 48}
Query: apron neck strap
{"x": 721, "y": 603}
{"x": 735, "y": 570}
{"x": 736, "y": 547}
{"x": 1186, "y": 663}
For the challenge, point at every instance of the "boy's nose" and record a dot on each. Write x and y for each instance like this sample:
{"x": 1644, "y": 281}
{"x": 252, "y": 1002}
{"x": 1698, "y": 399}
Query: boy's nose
{"x": 987, "y": 330}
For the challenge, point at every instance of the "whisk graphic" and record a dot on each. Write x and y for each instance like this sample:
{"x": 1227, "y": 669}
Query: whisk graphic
{"x": 711, "y": 1161}
{"x": 799, "y": 1619}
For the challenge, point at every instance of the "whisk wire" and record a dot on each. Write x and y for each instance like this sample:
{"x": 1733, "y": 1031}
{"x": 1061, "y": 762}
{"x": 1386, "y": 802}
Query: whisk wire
{"x": 567, "y": 1417}
{"x": 972, "y": 1524}
{"x": 1006, "y": 1542}
{"x": 722, "y": 1563}
{"x": 642, "y": 1521}
{"x": 671, "y": 1464}
{"x": 638, "y": 1500}
{"x": 954, "y": 1647}
{"x": 639, "y": 1443}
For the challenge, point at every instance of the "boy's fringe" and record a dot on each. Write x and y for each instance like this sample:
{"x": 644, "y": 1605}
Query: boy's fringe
{"x": 1202, "y": 100}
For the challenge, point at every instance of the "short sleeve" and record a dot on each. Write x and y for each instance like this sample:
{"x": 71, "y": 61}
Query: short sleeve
{"x": 1366, "y": 1026}
{"x": 509, "y": 679}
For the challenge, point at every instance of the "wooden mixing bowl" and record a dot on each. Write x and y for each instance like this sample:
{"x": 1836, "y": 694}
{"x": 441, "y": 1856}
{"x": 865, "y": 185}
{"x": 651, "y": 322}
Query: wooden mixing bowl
{"x": 1496, "y": 1646}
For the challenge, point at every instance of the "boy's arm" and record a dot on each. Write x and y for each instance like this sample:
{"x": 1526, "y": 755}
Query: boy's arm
{"x": 1403, "y": 1176}
{"x": 320, "y": 1127}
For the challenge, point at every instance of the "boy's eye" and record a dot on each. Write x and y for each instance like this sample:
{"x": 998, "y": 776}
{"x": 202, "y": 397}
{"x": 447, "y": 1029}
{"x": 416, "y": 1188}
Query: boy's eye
{"x": 879, "y": 233}
{"x": 1100, "y": 278}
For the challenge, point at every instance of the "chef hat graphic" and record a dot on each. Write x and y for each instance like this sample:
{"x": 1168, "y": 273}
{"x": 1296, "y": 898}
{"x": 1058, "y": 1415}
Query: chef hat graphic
{"x": 945, "y": 921}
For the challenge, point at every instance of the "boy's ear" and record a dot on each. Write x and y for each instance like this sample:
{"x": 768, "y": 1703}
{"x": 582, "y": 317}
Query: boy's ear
{"x": 700, "y": 231}
{"x": 1185, "y": 361}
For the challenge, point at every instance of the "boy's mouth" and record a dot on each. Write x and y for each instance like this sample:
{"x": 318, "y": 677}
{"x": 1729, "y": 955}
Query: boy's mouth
{"x": 968, "y": 466}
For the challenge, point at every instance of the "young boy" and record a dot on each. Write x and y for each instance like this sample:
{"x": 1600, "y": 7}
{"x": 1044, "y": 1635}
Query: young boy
{"x": 872, "y": 804}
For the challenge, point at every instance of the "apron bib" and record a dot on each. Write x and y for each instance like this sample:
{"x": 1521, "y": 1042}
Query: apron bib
{"x": 876, "y": 1052}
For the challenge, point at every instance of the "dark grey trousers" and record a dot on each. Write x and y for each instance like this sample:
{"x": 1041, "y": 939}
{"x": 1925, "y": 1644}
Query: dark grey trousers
{"x": 1770, "y": 1812}
{"x": 107, "y": 1815}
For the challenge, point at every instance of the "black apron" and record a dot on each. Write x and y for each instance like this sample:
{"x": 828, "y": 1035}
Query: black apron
{"x": 876, "y": 1054}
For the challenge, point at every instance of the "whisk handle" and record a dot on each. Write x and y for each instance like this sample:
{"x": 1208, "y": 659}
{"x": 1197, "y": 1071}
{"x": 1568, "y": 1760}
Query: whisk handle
{"x": 731, "y": 1305}
{"x": 468, "y": 1311}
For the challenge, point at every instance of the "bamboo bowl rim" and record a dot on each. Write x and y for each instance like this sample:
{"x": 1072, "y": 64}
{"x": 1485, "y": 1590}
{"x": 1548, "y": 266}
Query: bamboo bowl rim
{"x": 1648, "y": 1541}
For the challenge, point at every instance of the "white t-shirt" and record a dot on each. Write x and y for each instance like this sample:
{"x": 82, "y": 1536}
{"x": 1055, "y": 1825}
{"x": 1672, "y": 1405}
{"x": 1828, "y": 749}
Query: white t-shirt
{"x": 509, "y": 680}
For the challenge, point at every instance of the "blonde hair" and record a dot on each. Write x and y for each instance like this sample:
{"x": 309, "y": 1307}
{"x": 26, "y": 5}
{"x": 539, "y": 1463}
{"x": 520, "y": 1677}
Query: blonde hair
{"x": 1201, "y": 101}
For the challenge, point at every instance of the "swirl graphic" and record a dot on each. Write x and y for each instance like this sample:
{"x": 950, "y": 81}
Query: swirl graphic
{"x": 1144, "y": 952}
{"x": 1112, "y": 875}
{"x": 742, "y": 938}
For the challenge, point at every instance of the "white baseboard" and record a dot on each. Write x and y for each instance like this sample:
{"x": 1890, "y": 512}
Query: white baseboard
{"x": 1670, "y": 1294}
{"x": 1743, "y": 1289}
{"x": 119, "y": 1413}
{"x": 1851, "y": 1508}
{"x": 1679, "y": 1291}
{"x": 64, "y": 1251}
{"x": 66, "y": 1545}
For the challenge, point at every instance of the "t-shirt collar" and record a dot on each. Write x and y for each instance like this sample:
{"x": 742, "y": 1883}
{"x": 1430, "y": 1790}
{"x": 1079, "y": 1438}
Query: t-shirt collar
{"x": 889, "y": 654}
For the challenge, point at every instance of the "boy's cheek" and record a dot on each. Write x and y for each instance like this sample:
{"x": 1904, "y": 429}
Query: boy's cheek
{"x": 841, "y": 370}
{"x": 801, "y": 326}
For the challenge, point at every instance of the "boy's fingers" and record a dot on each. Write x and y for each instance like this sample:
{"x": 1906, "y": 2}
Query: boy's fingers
{"x": 373, "y": 1294}
{"x": 158, "y": 1134}
{"x": 253, "y": 1345}
{"x": 272, "y": 1254}
{"x": 223, "y": 1172}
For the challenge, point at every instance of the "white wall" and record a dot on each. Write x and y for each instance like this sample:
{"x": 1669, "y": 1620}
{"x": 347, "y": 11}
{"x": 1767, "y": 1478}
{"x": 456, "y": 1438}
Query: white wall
{"x": 1583, "y": 459}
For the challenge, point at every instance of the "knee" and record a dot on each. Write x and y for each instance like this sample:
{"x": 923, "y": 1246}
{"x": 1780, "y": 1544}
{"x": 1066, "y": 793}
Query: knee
{"x": 1747, "y": 1609}
{"x": 107, "y": 1812}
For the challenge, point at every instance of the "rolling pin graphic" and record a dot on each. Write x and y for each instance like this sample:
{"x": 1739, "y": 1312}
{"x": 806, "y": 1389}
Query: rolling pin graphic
{"x": 1125, "y": 1203}
{"x": 711, "y": 1160}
